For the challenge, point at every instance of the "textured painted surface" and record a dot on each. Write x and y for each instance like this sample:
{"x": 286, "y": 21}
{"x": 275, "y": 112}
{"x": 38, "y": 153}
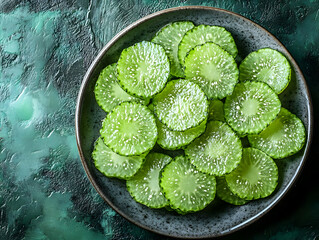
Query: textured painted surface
{"x": 45, "y": 48}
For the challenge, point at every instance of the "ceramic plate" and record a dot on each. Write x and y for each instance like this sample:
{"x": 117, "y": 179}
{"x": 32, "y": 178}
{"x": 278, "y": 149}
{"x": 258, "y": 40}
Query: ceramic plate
{"x": 219, "y": 218}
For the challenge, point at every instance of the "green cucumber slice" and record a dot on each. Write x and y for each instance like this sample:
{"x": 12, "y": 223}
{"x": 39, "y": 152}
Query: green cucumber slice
{"x": 169, "y": 38}
{"x": 143, "y": 69}
{"x": 213, "y": 69}
{"x": 266, "y": 65}
{"x": 284, "y": 137}
{"x": 255, "y": 177}
{"x": 151, "y": 107}
{"x": 202, "y": 34}
{"x": 216, "y": 111}
{"x": 251, "y": 107}
{"x": 187, "y": 189}
{"x": 144, "y": 186}
{"x": 130, "y": 129}
{"x": 224, "y": 193}
{"x": 112, "y": 164}
{"x": 108, "y": 93}
{"x": 217, "y": 152}
{"x": 181, "y": 105}
{"x": 172, "y": 140}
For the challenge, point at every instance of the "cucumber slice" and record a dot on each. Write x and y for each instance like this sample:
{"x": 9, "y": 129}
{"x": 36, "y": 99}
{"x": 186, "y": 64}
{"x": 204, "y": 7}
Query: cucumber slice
{"x": 251, "y": 107}
{"x": 187, "y": 189}
{"x": 216, "y": 111}
{"x": 181, "y": 105}
{"x": 151, "y": 107}
{"x": 255, "y": 177}
{"x": 266, "y": 65}
{"x": 169, "y": 38}
{"x": 108, "y": 93}
{"x": 130, "y": 129}
{"x": 113, "y": 165}
{"x": 213, "y": 69}
{"x": 217, "y": 152}
{"x": 284, "y": 137}
{"x": 143, "y": 69}
{"x": 144, "y": 186}
{"x": 224, "y": 193}
{"x": 172, "y": 140}
{"x": 202, "y": 34}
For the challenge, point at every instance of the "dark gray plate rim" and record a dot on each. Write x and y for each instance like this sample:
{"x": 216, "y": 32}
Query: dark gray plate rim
{"x": 98, "y": 58}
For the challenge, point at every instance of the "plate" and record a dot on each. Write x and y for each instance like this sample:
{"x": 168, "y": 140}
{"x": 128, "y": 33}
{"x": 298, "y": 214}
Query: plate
{"x": 219, "y": 218}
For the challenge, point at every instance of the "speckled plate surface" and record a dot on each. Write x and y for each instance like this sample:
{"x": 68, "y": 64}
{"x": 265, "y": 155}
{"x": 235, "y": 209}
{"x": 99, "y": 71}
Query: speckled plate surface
{"x": 219, "y": 218}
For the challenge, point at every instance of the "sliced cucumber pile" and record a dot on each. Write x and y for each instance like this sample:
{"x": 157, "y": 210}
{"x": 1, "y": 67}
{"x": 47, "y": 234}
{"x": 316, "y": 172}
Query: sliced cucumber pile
{"x": 213, "y": 69}
{"x": 169, "y": 38}
{"x": 144, "y": 187}
{"x": 284, "y": 137}
{"x": 203, "y": 117}
{"x": 181, "y": 105}
{"x": 268, "y": 66}
{"x": 186, "y": 188}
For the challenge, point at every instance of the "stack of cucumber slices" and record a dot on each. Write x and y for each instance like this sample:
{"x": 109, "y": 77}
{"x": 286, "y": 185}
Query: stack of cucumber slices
{"x": 183, "y": 94}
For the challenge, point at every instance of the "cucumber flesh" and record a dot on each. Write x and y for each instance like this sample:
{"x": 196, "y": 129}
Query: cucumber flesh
{"x": 284, "y": 137}
{"x": 144, "y": 185}
{"x": 108, "y": 93}
{"x": 213, "y": 69}
{"x": 224, "y": 193}
{"x": 251, "y": 107}
{"x": 172, "y": 140}
{"x": 143, "y": 69}
{"x": 187, "y": 189}
{"x": 112, "y": 164}
{"x": 130, "y": 129}
{"x": 266, "y": 65}
{"x": 255, "y": 177}
{"x": 169, "y": 38}
{"x": 216, "y": 111}
{"x": 202, "y": 34}
{"x": 181, "y": 105}
{"x": 217, "y": 152}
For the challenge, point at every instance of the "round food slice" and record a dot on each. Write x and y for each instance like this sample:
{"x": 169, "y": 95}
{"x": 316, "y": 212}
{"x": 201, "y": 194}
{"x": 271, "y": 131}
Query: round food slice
{"x": 144, "y": 186}
{"x": 181, "y": 105}
{"x": 266, "y": 65}
{"x": 213, "y": 69}
{"x": 217, "y": 152}
{"x": 202, "y": 34}
{"x": 108, "y": 93}
{"x": 169, "y": 38}
{"x": 172, "y": 140}
{"x": 255, "y": 177}
{"x": 251, "y": 107}
{"x": 130, "y": 129}
{"x": 216, "y": 110}
{"x": 224, "y": 193}
{"x": 112, "y": 164}
{"x": 284, "y": 137}
{"x": 143, "y": 69}
{"x": 187, "y": 189}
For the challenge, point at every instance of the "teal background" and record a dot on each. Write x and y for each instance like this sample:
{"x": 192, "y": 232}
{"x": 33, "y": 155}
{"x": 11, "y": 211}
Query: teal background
{"x": 46, "y": 47}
